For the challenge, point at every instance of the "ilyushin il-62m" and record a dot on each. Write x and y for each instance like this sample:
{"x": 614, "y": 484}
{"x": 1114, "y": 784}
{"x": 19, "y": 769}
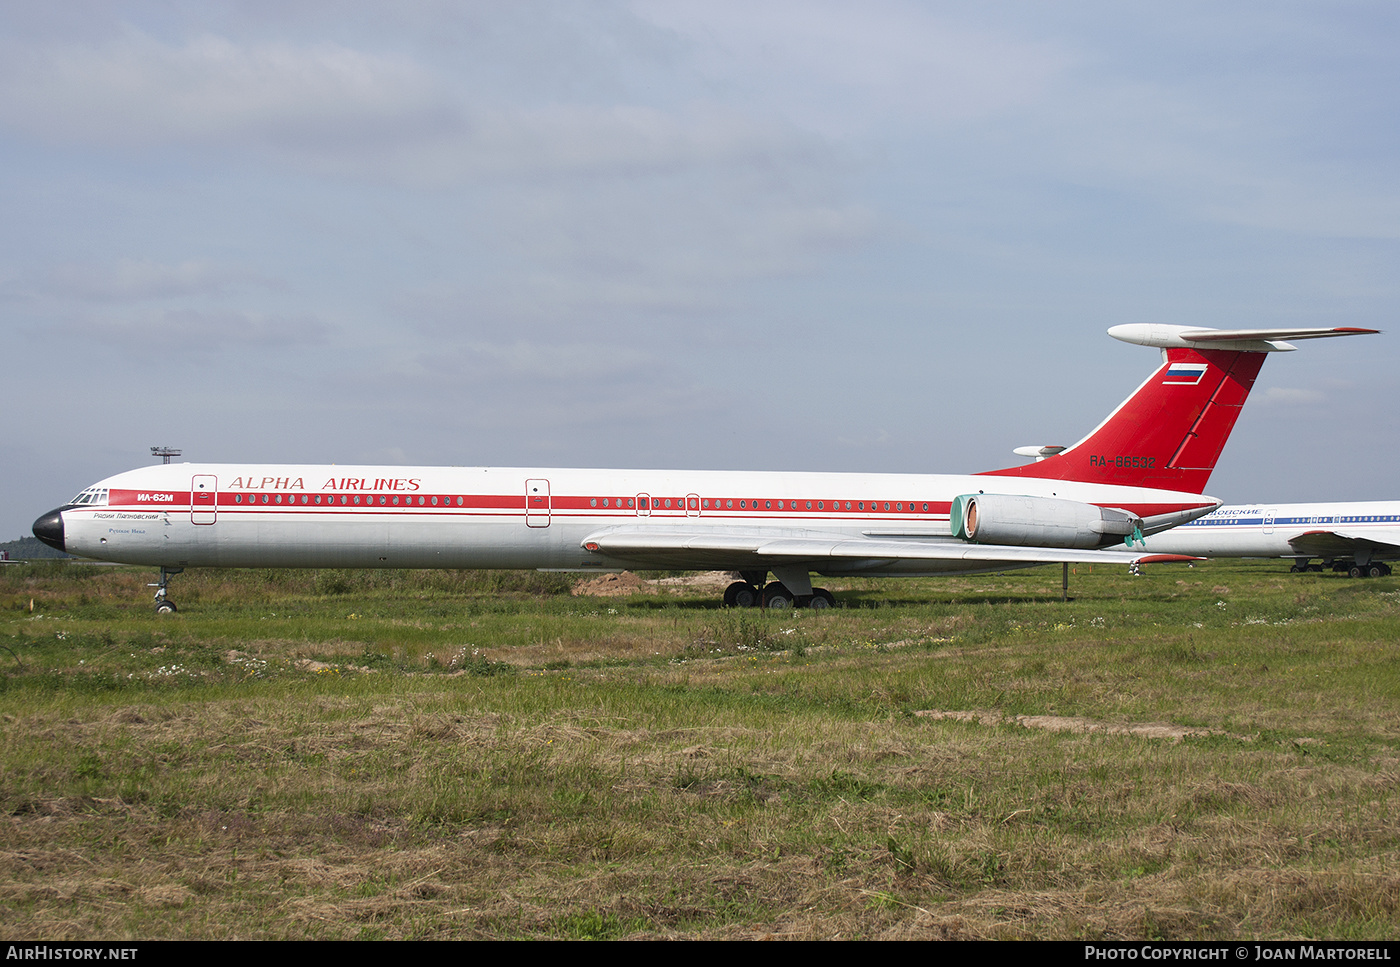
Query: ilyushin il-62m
{"x": 1142, "y": 470}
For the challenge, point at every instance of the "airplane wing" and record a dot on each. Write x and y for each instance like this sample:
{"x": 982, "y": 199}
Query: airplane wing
{"x": 1384, "y": 543}
{"x": 724, "y": 549}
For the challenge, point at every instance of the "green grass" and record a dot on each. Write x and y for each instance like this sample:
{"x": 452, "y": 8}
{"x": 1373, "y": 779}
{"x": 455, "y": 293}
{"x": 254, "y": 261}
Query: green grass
{"x": 1197, "y": 753}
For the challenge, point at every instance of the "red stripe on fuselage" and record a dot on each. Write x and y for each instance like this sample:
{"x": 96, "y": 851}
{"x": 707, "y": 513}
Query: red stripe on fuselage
{"x": 340, "y": 504}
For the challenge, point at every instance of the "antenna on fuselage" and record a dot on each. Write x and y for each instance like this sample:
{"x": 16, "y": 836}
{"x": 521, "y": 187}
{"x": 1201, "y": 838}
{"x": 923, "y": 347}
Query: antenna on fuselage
{"x": 166, "y": 452}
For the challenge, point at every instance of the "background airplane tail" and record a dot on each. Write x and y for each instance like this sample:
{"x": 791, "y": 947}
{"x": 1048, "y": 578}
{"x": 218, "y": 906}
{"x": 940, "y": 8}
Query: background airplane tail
{"x": 1170, "y": 432}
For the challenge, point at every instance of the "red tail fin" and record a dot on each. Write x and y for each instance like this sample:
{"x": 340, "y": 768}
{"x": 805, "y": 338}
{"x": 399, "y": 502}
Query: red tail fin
{"x": 1170, "y": 432}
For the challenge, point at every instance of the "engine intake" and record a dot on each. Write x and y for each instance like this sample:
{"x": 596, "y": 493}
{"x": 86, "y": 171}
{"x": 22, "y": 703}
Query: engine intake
{"x": 1039, "y": 521}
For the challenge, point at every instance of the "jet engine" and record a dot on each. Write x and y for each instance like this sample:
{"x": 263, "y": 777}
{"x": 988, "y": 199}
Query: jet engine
{"x": 1039, "y": 521}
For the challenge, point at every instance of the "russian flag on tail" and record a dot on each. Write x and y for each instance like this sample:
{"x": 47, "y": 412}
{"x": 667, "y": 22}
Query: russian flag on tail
{"x": 1185, "y": 374}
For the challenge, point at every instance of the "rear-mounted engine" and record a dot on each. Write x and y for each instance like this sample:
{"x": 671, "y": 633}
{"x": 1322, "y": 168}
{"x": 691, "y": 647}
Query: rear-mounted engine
{"x": 1039, "y": 521}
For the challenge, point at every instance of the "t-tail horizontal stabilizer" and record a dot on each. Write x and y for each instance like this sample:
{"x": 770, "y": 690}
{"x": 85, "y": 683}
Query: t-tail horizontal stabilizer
{"x": 1170, "y": 432}
{"x": 1239, "y": 340}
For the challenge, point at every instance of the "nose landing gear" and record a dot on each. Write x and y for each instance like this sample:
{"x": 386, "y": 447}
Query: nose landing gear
{"x": 163, "y": 604}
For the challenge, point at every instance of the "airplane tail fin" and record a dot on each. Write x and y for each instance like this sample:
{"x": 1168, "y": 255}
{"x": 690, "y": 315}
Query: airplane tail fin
{"x": 1170, "y": 432}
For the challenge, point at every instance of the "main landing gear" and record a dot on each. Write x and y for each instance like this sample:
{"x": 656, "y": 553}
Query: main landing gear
{"x": 1356, "y": 569}
{"x": 1373, "y": 570}
{"x": 775, "y": 594}
{"x": 163, "y": 604}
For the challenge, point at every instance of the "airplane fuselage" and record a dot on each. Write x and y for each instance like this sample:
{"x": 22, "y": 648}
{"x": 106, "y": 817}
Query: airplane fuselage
{"x": 193, "y": 515}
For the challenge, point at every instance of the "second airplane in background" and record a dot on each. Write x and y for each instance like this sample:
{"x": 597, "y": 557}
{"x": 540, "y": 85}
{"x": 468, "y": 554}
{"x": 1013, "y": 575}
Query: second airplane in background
{"x": 1354, "y": 537}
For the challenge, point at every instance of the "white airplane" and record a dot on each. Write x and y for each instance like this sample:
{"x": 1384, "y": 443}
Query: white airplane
{"x": 1354, "y": 537}
{"x": 1141, "y": 471}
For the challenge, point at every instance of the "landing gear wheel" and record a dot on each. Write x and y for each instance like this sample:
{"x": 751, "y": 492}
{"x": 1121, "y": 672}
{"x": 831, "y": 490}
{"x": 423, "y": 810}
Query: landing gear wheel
{"x": 777, "y": 596}
{"x": 163, "y": 604}
{"x": 1375, "y": 571}
{"x": 1356, "y": 571}
{"x": 822, "y": 599}
{"x": 740, "y": 594}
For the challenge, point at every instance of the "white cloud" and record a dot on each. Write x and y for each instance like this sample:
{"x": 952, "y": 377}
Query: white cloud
{"x": 133, "y": 91}
{"x": 842, "y": 68}
{"x": 136, "y": 280}
{"x": 547, "y": 361}
{"x": 342, "y": 110}
{"x": 1292, "y": 396}
{"x": 195, "y": 331}
{"x": 867, "y": 439}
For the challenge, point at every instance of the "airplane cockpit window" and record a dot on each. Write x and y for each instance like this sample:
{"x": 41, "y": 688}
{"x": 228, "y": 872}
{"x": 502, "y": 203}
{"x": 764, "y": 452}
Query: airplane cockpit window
{"x": 91, "y": 496}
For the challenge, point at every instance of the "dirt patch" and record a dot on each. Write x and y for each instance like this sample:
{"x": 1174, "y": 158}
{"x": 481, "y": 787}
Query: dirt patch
{"x": 1070, "y": 723}
{"x": 708, "y": 580}
{"x": 613, "y": 586}
{"x": 625, "y": 583}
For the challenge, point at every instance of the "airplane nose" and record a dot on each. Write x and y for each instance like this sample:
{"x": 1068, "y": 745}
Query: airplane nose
{"x": 49, "y": 529}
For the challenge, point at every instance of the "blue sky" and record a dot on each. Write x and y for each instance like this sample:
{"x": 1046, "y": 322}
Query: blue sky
{"x": 879, "y": 236}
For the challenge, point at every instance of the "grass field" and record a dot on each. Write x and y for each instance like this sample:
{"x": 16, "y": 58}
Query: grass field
{"x": 1196, "y": 753}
